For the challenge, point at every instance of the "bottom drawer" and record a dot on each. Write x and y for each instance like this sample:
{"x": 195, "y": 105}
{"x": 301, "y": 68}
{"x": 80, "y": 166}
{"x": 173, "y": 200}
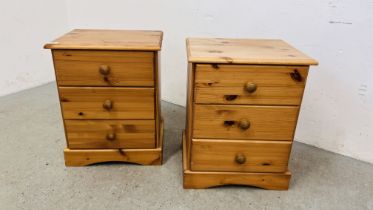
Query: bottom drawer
{"x": 110, "y": 134}
{"x": 240, "y": 155}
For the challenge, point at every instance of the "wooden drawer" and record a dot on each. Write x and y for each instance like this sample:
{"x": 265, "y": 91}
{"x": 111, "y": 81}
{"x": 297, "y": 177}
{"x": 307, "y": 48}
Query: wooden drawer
{"x": 104, "y": 68}
{"x": 243, "y": 156}
{"x": 233, "y": 84}
{"x": 105, "y": 134}
{"x": 120, "y": 103}
{"x": 245, "y": 122}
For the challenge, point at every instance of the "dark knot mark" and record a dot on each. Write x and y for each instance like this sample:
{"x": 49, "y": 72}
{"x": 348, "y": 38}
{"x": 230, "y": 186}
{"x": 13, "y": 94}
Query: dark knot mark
{"x": 228, "y": 59}
{"x": 229, "y": 122}
{"x": 121, "y": 152}
{"x": 215, "y": 51}
{"x": 129, "y": 128}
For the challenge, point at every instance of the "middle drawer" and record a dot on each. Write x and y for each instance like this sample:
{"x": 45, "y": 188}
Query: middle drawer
{"x": 244, "y": 122}
{"x": 107, "y": 103}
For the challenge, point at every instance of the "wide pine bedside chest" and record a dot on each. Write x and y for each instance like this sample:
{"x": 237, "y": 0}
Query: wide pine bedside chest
{"x": 108, "y": 84}
{"x": 243, "y": 102}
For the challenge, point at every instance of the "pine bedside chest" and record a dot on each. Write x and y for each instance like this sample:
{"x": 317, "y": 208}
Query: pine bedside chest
{"x": 108, "y": 84}
{"x": 243, "y": 102}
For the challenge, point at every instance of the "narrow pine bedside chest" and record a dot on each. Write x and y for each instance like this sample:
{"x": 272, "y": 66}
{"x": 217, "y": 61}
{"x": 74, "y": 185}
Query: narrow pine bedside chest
{"x": 108, "y": 84}
{"x": 242, "y": 108}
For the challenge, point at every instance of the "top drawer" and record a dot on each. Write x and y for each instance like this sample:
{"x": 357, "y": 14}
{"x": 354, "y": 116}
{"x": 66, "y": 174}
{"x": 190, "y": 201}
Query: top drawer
{"x": 249, "y": 84}
{"x": 104, "y": 68}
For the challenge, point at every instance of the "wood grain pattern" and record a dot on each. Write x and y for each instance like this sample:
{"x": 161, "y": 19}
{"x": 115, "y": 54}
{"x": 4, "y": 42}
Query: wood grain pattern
{"x": 260, "y": 156}
{"x": 161, "y": 138}
{"x": 186, "y": 154}
{"x": 92, "y": 134}
{"x": 157, "y": 98}
{"x": 202, "y": 179}
{"x": 82, "y": 68}
{"x": 84, "y": 157}
{"x": 267, "y": 122}
{"x": 190, "y": 104}
{"x": 242, "y": 108}
{"x": 245, "y": 51}
{"x": 94, "y": 39}
{"x": 87, "y": 103}
{"x": 213, "y": 84}
{"x": 269, "y": 181}
{"x": 108, "y": 86}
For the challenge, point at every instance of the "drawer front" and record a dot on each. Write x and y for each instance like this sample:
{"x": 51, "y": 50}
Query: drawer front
{"x": 246, "y": 84}
{"x": 107, "y": 103}
{"x": 104, "y": 134}
{"x": 236, "y": 155}
{"x": 245, "y": 122}
{"x": 104, "y": 68}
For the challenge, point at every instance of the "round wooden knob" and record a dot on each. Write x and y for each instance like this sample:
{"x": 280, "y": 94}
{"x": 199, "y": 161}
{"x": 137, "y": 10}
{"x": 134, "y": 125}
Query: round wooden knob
{"x": 104, "y": 70}
{"x": 240, "y": 159}
{"x": 244, "y": 124}
{"x": 250, "y": 87}
{"x": 110, "y": 136}
{"x": 108, "y": 105}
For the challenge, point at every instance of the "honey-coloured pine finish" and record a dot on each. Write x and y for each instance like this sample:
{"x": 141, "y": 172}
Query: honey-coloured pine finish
{"x": 226, "y": 121}
{"x": 243, "y": 101}
{"x": 107, "y": 103}
{"x": 225, "y": 86}
{"x": 96, "y": 134}
{"x": 127, "y": 68}
{"x": 108, "y": 85}
{"x": 259, "y": 156}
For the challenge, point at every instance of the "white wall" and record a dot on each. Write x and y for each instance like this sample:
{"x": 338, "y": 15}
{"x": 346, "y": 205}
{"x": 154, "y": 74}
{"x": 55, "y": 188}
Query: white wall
{"x": 25, "y": 27}
{"x": 337, "y": 111}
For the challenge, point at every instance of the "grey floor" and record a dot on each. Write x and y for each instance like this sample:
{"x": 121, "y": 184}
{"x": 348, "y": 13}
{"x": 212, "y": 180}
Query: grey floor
{"x": 33, "y": 175}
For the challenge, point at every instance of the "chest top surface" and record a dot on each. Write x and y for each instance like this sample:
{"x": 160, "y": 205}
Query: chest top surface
{"x": 245, "y": 51}
{"x": 89, "y": 39}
